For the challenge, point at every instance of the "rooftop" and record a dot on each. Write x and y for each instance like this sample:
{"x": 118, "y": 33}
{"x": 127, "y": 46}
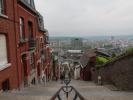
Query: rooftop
{"x": 74, "y": 51}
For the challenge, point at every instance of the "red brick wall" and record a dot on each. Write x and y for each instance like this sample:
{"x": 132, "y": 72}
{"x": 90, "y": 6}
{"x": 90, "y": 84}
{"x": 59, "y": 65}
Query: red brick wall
{"x": 7, "y": 27}
{"x": 40, "y": 45}
{"x": 10, "y": 27}
{"x": 27, "y": 16}
{"x": 119, "y": 73}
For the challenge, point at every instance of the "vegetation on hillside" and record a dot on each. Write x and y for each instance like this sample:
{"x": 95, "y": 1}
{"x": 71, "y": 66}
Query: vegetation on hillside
{"x": 101, "y": 61}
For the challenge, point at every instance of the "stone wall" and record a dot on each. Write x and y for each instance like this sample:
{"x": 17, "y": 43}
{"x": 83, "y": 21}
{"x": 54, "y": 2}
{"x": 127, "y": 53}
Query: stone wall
{"x": 118, "y": 73}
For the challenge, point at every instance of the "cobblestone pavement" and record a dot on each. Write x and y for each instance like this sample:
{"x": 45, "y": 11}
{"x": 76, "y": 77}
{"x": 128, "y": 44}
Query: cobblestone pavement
{"x": 88, "y": 89}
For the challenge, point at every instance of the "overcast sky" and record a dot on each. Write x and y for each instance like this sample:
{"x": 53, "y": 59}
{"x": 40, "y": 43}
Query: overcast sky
{"x": 87, "y": 17}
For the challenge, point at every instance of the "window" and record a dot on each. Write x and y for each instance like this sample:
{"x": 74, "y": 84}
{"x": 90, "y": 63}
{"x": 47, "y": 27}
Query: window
{"x": 41, "y": 40}
{"x": 3, "y": 51}
{"x": 29, "y": 1}
{"x": 1, "y": 7}
{"x": 32, "y": 61}
{"x": 21, "y": 21}
{"x": 30, "y": 28}
{"x": 31, "y": 58}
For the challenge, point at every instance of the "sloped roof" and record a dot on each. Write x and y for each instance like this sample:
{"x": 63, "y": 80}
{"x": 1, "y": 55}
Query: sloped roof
{"x": 74, "y": 51}
{"x": 86, "y": 57}
{"x": 103, "y": 53}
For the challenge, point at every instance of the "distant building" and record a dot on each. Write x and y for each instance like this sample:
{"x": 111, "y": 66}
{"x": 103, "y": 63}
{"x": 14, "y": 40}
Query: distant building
{"x": 112, "y": 38}
{"x": 87, "y": 62}
{"x": 76, "y": 43}
{"x": 77, "y": 69}
{"x": 74, "y": 54}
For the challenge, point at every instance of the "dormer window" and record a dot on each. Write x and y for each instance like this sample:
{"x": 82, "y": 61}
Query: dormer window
{"x": 29, "y": 1}
{"x": 40, "y": 22}
{"x": 1, "y": 7}
{"x": 29, "y": 4}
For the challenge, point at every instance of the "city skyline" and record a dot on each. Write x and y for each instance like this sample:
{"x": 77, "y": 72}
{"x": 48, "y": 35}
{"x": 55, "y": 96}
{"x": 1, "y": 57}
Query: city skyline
{"x": 88, "y": 18}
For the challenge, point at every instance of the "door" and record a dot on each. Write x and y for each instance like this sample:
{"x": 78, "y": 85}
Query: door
{"x": 38, "y": 70}
{"x": 24, "y": 70}
{"x": 6, "y": 85}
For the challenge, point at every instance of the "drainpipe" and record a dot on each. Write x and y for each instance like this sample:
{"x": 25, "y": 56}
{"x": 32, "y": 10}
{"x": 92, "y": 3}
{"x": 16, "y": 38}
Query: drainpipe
{"x": 14, "y": 3}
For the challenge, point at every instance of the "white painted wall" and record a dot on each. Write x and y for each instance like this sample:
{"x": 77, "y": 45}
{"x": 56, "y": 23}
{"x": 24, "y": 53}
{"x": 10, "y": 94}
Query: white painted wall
{"x": 76, "y": 73}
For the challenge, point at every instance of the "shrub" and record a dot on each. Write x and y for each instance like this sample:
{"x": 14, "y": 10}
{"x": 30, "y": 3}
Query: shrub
{"x": 101, "y": 60}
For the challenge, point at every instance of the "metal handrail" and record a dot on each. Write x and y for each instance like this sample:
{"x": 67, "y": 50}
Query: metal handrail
{"x": 77, "y": 94}
{"x": 57, "y": 95}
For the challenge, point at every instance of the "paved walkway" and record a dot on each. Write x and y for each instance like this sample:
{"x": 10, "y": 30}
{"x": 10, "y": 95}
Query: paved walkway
{"x": 88, "y": 89}
{"x": 93, "y": 92}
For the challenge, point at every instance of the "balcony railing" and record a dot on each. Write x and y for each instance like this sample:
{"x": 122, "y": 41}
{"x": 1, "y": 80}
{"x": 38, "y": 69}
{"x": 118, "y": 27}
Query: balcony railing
{"x": 32, "y": 43}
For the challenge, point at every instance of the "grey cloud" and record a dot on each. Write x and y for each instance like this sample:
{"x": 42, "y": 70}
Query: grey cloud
{"x": 87, "y": 17}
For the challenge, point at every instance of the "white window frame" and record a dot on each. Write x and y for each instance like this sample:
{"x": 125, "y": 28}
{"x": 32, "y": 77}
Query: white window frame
{"x": 3, "y": 56}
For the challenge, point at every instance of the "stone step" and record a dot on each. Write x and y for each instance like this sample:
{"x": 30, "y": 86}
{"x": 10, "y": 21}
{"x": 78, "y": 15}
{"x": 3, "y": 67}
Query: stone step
{"x": 112, "y": 87}
{"x": 25, "y": 97}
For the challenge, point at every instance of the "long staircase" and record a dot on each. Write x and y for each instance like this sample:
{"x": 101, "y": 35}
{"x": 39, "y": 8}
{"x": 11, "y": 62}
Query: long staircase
{"x": 88, "y": 90}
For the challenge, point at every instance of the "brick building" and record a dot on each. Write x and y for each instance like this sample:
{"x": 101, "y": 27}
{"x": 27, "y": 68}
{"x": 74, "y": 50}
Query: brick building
{"x": 26, "y": 41}
{"x": 87, "y": 62}
{"x": 22, "y": 42}
{"x": 48, "y": 58}
{"x": 8, "y": 47}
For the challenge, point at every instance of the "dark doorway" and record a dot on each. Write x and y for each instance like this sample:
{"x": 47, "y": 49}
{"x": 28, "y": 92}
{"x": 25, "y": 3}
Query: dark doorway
{"x": 24, "y": 70}
{"x": 38, "y": 70}
{"x": 33, "y": 81}
{"x": 87, "y": 74}
{"x": 6, "y": 85}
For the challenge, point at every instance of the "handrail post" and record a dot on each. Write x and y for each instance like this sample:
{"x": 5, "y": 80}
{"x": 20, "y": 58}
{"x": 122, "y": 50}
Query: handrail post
{"x": 59, "y": 97}
{"x": 75, "y": 97}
